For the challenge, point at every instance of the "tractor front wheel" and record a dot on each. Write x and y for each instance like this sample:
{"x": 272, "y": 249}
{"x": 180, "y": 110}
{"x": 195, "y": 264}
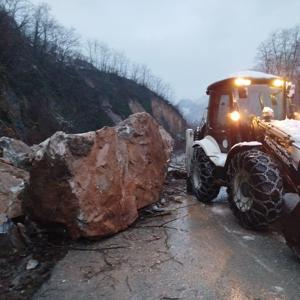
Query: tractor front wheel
{"x": 255, "y": 189}
{"x": 202, "y": 179}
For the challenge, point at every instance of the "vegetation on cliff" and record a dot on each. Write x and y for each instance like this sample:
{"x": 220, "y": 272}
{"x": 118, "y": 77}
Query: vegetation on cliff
{"x": 47, "y": 83}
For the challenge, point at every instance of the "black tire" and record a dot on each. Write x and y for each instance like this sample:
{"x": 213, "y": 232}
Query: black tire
{"x": 203, "y": 181}
{"x": 255, "y": 189}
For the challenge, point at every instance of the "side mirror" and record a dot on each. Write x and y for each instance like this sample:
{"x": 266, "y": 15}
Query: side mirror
{"x": 290, "y": 90}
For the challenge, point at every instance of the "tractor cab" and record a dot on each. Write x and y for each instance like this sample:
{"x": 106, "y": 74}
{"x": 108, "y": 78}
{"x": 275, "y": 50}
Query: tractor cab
{"x": 234, "y": 101}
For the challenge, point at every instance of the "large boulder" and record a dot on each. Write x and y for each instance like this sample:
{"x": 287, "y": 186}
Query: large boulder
{"x": 15, "y": 152}
{"x": 12, "y": 183}
{"x": 95, "y": 182}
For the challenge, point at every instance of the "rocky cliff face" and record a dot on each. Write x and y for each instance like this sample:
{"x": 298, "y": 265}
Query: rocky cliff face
{"x": 76, "y": 100}
{"x": 166, "y": 115}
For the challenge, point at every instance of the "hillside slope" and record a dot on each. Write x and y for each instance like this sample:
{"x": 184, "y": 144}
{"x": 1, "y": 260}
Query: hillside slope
{"x": 39, "y": 96}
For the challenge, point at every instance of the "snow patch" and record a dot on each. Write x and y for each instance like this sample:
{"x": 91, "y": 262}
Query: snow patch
{"x": 252, "y": 74}
{"x": 249, "y": 237}
{"x": 290, "y": 201}
{"x": 228, "y": 230}
{"x": 244, "y": 144}
{"x": 290, "y": 127}
{"x": 260, "y": 262}
{"x": 279, "y": 237}
{"x": 18, "y": 188}
{"x": 222, "y": 211}
{"x": 278, "y": 289}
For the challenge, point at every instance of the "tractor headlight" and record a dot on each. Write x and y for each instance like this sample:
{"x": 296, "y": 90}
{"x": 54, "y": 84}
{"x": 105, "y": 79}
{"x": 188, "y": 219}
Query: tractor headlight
{"x": 242, "y": 82}
{"x": 278, "y": 83}
{"x": 235, "y": 116}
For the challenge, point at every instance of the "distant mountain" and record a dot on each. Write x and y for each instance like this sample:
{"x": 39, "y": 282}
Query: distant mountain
{"x": 193, "y": 109}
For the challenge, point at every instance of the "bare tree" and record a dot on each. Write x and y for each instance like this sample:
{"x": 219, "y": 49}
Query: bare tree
{"x": 19, "y": 10}
{"x": 280, "y": 53}
{"x": 38, "y": 31}
{"x": 99, "y": 55}
{"x": 49, "y": 39}
{"x": 63, "y": 43}
{"x": 145, "y": 75}
{"x": 120, "y": 64}
{"x": 13, "y": 7}
{"x": 134, "y": 72}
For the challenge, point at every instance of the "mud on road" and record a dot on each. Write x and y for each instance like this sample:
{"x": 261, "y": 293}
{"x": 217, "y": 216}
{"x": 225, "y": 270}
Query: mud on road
{"x": 179, "y": 249}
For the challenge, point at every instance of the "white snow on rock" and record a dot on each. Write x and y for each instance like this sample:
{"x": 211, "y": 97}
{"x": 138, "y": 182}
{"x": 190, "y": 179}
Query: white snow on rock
{"x": 290, "y": 127}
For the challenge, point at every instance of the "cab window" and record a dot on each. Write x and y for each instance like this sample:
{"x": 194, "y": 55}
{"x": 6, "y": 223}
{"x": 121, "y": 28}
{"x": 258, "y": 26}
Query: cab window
{"x": 219, "y": 110}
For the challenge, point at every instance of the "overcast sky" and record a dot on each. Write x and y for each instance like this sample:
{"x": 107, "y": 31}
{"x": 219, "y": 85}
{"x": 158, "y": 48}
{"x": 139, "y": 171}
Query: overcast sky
{"x": 188, "y": 43}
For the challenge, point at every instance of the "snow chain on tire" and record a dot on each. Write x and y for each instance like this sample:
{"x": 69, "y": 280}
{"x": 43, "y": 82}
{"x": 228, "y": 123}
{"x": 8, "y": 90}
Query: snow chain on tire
{"x": 202, "y": 178}
{"x": 255, "y": 189}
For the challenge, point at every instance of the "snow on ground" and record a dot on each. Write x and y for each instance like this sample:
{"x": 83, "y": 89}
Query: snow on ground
{"x": 290, "y": 201}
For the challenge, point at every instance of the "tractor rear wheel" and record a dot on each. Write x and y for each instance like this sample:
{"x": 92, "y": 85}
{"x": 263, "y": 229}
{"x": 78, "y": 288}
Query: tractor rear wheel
{"x": 255, "y": 189}
{"x": 202, "y": 179}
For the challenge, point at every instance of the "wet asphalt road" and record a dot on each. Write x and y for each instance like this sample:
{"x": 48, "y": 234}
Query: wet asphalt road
{"x": 196, "y": 251}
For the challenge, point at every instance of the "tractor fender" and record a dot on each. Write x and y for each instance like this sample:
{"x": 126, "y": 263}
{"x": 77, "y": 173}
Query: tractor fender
{"x": 212, "y": 150}
{"x": 208, "y": 144}
{"x": 239, "y": 147}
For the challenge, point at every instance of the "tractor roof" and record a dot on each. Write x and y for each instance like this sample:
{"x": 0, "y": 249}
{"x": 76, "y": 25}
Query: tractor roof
{"x": 258, "y": 77}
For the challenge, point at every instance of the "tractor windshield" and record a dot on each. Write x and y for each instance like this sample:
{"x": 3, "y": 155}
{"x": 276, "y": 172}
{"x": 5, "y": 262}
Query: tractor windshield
{"x": 260, "y": 96}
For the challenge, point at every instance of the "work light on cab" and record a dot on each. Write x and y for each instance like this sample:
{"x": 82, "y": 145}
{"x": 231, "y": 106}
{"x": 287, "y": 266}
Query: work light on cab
{"x": 242, "y": 82}
{"x": 278, "y": 83}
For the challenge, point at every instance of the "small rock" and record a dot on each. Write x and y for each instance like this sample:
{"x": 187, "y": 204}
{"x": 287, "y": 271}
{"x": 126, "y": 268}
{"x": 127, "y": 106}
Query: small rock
{"x": 163, "y": 201}
{"x": 15, "y": 151}
{"x": 10, "y": 239}
{"x": 12, "y": 183}
{"x": 32, "y": 264}
{"x": 156, "y": 209}
{"x": 177, "y": 199}
{"x": 23, "y": 234}
{"x": 177, "y": 173}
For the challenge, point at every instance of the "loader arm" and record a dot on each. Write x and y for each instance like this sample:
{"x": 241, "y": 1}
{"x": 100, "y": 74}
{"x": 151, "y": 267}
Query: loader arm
{"x": 278, "y": 139}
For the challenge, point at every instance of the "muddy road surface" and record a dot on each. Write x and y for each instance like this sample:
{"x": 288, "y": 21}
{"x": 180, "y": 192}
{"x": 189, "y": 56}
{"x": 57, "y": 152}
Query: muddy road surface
{"x": 179, "y": 249}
